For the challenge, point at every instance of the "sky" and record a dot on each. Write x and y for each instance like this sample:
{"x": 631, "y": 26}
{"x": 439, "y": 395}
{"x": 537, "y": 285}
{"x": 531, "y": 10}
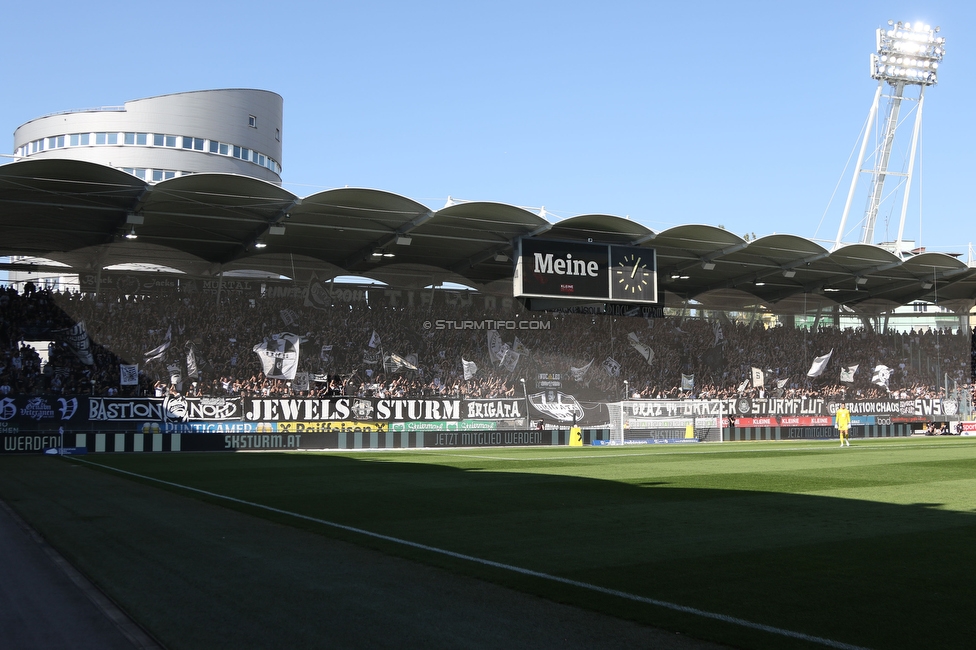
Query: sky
{"x": 743, "y": 115}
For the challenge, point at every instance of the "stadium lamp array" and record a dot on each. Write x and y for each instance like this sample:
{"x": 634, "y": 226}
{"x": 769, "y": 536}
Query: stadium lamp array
{"x": 908, "y": 53}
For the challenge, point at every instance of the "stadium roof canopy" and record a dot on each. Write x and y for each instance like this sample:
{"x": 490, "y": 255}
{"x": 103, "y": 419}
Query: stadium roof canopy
{"x": 78, "y": 213}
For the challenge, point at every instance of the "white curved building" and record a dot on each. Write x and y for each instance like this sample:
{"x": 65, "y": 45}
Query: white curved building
{"x": 230, "y": 131}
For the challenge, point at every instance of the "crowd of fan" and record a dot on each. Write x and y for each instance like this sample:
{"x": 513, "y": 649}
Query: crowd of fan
{"x": 594, "y": 356}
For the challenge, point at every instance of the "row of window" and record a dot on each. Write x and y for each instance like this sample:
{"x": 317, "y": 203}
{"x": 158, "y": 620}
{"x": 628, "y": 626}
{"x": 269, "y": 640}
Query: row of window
{"x": 155, "y": 175}
{"x": 150, "y": 139}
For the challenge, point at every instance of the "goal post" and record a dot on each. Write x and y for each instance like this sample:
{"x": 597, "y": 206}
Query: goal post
{"x": 636, "y": 422}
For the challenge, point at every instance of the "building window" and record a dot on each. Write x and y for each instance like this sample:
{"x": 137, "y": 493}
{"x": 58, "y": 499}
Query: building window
{"x": 129, "y": 138}
{"x": 214, "y": 146}
{"x": 192, "y": 143}
{"x": 157, "y": 175}
{"x": 141, "y": 138}
{"x": 252, "y": 121}
{"x": 113, "y": 138}
{"x": 237, "y": 151}
{"x": 278, "y": 135}
{"x": 161, "y": 140}
{"x": 224, "y": 149}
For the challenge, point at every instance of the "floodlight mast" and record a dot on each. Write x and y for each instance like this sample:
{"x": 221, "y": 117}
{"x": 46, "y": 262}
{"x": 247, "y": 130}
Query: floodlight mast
{"x": 908, "y": 54}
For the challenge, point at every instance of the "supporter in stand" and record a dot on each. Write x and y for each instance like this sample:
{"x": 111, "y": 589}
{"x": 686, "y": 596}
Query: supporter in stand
{"x": 336, "y": 356}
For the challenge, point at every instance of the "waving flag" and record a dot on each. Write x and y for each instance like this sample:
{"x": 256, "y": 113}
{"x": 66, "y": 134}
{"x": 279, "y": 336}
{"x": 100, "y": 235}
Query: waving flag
{"x": 643, "y": 350}
{"x": 847, "y": 374}
{"x": 374, "y": 340}
{"x": 158, "y": 351}
{"x": 495, "y": 346}
{"x": 819, "y": 364}
{"x": 279, "y": 356}
{"x": 317, "y": 295}
{"x": 881, "y": 375}
{"x": 579, "y": 373}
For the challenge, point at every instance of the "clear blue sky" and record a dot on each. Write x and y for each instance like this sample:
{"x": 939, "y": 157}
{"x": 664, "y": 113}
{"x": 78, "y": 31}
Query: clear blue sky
{"x": 735, "y": 114}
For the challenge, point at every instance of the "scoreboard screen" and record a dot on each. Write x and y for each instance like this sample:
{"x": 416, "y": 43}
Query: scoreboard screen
{"x": 585, "y": 271}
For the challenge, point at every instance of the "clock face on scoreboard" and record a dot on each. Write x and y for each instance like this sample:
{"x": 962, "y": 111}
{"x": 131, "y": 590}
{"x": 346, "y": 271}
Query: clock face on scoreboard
{"x": 633, "y": 275}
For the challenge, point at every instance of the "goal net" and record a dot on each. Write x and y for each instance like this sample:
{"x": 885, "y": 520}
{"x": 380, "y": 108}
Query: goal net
{"x": 647, "y": 422}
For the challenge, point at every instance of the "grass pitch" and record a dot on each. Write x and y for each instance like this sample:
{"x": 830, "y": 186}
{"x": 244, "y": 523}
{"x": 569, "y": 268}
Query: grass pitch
{"x": 870, "y": 546}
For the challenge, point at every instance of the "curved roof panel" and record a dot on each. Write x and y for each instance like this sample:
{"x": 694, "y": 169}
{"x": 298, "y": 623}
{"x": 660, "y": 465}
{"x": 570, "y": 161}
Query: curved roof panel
{"x": 61, "y": 205}
{"x": 601, "y": 227}
{"x": 215, "y": 217}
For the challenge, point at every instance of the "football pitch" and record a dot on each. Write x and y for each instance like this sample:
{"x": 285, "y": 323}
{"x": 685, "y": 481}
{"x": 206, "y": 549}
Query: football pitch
{"x": 754, "y": 545}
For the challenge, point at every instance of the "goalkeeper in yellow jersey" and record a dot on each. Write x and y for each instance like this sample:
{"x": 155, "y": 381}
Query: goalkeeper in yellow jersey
{"x": 842, "y": 420}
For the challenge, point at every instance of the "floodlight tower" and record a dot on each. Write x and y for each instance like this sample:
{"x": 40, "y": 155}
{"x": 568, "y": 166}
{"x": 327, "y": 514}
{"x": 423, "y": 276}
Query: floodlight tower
{"x": 908, "y": 54}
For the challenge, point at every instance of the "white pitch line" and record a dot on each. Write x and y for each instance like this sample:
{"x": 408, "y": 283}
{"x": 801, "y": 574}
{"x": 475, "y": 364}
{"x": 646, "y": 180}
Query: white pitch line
{"x": 734, "y": 620}
{"x": 811, "y": 447}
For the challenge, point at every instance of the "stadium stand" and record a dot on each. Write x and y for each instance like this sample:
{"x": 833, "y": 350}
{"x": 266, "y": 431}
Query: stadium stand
{"x": 337, "y": 355}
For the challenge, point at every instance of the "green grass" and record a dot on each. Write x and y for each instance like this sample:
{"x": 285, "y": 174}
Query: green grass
{"x": 873, "y": 546}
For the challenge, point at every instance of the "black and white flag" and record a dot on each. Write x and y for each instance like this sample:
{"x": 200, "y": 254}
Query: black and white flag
{"x": 192, "y": 365}
{"x": 317, "y": 295}
{"x": 579, "y": 373}
{"x": 495, "y": 345}
{"x": 175, "y": 375}
{"x": 128, "y": 374}
{"x": 301, "y": 382}
{"x": 847, "y": 374}
{"x": 470, "y": 369}
{"x": 77, "y": 339}
{"x": 289, "y": 317}
{"x": 643, "y": 350}
{"x": 819, "y": 364}
{"x": 160, "y": 350}
{"x": 881, "y": 375}
{"x": 279, "y": 355}
{"x": 510, "y": 360}
{"x": 374, "y": 340}
{"x": 758, "y": 378}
